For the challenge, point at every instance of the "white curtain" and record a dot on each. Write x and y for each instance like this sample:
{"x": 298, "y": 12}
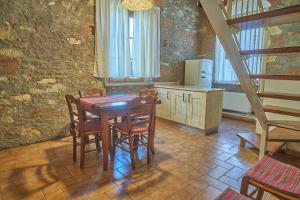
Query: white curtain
{"x": 102, "y": 38}
{"x": 112, "y": 49}
{"x": 146, "y": 44}
{"x": 119, "y": 51}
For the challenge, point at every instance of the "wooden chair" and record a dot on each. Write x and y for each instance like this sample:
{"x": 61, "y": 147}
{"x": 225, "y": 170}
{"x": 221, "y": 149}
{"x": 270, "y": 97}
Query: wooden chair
{"x": 80, "y": 127}
{"x": 149, "y": 92}
{"x": 279, "y": 179}
{"x": 133, "y": 128}
{"x": 230, "y": 194}
{"x": 91, "y": 92}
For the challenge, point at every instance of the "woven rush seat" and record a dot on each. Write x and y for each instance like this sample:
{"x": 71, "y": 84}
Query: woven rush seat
{"x": 136, "y": 128}
{"x": 276, "y": 175}
{"x": 90, "y": 126}
{"x": 230, "y": 194}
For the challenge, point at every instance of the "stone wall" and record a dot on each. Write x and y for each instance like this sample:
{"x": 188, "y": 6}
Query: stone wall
{"x": 46, "y": 51}
{"x": 185, "y": 34}
{"x": 283, "y": 36}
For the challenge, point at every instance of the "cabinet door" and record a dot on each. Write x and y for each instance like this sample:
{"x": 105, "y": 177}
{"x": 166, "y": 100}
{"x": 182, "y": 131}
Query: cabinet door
{"x": 196, "y": 109}
{"x": 163, "y": 110}
{"x": 178, "y": 106}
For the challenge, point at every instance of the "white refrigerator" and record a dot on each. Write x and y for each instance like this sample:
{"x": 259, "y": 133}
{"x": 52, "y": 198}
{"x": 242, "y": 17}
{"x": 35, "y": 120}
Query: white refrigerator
{"x": 199, "y": 72}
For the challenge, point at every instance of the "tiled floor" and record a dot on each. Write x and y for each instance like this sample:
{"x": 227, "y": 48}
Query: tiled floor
{"x": 185, "y": 166}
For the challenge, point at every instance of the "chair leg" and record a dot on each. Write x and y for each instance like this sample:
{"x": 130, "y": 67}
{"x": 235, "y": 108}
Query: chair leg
{"x": 74, "y": 147}
{"x": 136, "y": 143}
{"x": 244, "y": 186}
{"x": 260, "y": 194}
{"x": 152, "y": 142}
{"x": 149, "y": 148}
{"x": 97, "y": 141}
{"x": 110, "y": 146}
{"x": 82, "y": 150}
{"x": 114, "y": 141}
{"x": 131, "y": 148}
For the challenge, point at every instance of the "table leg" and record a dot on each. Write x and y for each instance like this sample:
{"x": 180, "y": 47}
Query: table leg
{"x": 105, "y": 141}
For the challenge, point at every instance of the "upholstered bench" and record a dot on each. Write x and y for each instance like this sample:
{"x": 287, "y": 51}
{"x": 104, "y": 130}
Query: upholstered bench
{"x": 230, "y": 194}
{"x": 279, "y": 179}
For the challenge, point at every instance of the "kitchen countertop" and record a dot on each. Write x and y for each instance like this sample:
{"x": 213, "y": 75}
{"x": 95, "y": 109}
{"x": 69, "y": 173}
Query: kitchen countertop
{"x": 190, "y": 88}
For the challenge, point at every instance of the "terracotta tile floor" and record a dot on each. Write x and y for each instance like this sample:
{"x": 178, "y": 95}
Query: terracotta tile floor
{"x": 185, "y": 166}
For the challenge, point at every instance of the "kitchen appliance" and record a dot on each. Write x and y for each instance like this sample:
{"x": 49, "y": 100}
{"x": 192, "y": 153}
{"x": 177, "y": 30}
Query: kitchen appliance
{"x": 199, "y": 72}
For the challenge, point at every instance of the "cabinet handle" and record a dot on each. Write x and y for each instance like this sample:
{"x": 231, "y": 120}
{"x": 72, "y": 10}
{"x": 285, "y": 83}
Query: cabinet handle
{"x": 168, "y": 95}
{"x": 190, "y": 96}
{"x": 183, "y": 97}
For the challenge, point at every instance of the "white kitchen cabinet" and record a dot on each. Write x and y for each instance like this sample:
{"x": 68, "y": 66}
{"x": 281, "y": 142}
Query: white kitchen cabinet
{"x": 178, "y": 106}
{"x": 194, "y": 107}
{"x": 163, "y": 109}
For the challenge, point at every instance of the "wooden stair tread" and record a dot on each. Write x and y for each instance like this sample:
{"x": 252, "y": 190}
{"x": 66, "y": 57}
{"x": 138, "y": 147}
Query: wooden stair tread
{"x": 293, "y": 125}
{"x": 276, "y": 77}
{"x": 254, "y": 140}
{"x": 279, "y": 50}
{"x": 282, "y": 110}
{"x": 284, "y": 135}
{"x": 270, "y": 18}
{"x": 277, "y": 95}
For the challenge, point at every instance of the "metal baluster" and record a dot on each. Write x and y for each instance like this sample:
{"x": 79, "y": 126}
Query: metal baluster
{"x": 252, "y": 9}
{"x": 247, "y": 7}
{"x": 242, "y": 8}
{"x": 235, "y": 11}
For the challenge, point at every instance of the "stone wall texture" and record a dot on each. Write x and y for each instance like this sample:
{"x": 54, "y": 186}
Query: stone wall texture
{"x": 46, "y": 51}
{"x": 185, "y": 34}
{"x": 283, "y": 36}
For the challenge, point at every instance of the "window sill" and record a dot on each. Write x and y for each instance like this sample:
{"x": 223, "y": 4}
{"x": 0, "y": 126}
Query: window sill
{"x": 227, "y": 83}
{"x": 129, "y": 84}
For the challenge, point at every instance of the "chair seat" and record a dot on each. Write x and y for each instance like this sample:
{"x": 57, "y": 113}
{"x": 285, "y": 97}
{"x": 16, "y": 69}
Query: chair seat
{"x": 276, "y": 175}
{"x": 230, "y": 194}
{"x": 91, "y": 126}
{"x": 145, "y": 117}
{"x": 136, "y": 129}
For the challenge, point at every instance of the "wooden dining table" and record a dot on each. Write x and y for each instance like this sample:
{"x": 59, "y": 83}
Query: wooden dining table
{"x": 107, "y": 108}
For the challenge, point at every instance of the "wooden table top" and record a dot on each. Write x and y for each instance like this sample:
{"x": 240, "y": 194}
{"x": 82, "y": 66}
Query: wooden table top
{"x": 89, "y": 103}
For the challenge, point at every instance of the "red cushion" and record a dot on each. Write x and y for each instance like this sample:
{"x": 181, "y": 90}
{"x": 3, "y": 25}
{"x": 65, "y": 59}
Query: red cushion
{"x": 230, "y": 194}
{"x": 276, "y": 175}
{"x": 140, "y": 128}
{"x": 91, "y": 126}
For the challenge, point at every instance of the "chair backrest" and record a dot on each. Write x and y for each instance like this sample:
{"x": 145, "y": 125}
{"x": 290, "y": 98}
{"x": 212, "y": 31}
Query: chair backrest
{"x": 141, "y": 106}
{"x": 91, "y": 92}
{"x": 148, "y": 92}
{"x": 77, "y": 115}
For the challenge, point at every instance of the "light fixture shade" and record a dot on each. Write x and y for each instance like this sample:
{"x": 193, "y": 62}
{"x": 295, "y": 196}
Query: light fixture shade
{"x": 138, "y": 5}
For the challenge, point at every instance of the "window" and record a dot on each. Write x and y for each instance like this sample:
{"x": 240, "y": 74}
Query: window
{"x": 248, "y": 39}
{"x": 123, "y": 49}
